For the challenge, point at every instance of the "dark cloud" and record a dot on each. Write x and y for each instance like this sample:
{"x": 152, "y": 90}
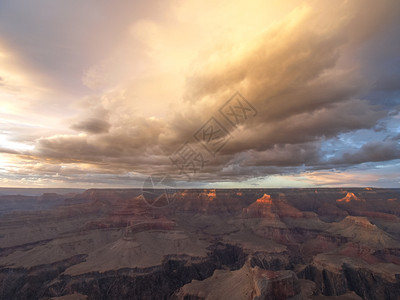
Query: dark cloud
{"x": 371, "y": 152}
{"x": 307, "y": 127}
{"x": 390, "y": 83}
{"x": 9, "y": 151}
{"x": 93, "y": 126}
{"x": 284, "y": 155}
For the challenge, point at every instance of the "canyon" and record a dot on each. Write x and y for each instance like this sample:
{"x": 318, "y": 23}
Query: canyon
{"x": 182, "y": 244}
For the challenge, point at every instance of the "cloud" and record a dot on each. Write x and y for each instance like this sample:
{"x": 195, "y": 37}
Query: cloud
{"x": 9, "y": 151}
{"x": 161, "y": 79}
{"x": 288, "y": 73}
{"x": 284, "y": 155}
{"x": 93, "y": 126}
{"x": 371, "y": 152}
{"x": 307, "y": 127}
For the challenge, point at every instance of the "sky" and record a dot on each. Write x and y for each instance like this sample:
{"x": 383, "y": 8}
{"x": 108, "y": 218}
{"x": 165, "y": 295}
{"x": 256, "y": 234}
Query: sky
{"x": 200, "y": 93}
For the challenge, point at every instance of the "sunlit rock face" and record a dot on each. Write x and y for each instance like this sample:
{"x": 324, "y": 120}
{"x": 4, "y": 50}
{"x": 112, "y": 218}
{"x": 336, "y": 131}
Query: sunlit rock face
{"x": 202, "y": 244}
{"x": 349, "y": 198}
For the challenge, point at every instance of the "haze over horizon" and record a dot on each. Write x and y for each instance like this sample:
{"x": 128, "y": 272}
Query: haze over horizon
{"x": 104, "y": 94}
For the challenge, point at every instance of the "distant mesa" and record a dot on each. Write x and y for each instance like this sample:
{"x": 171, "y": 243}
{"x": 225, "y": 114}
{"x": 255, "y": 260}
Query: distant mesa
{"x": 261, "y": 208}
{"x": 211, "y": 195}
{"x": 349, "y": 198}
{"x": 272, "y": 208}
{"x": 265, "y": 199}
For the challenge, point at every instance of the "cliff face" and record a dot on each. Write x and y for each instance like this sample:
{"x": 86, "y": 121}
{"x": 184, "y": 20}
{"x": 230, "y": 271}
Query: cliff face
{"x": 364, "y": 282}
{"x": 156, "y": 282}
{"x": 203, "y": 244}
